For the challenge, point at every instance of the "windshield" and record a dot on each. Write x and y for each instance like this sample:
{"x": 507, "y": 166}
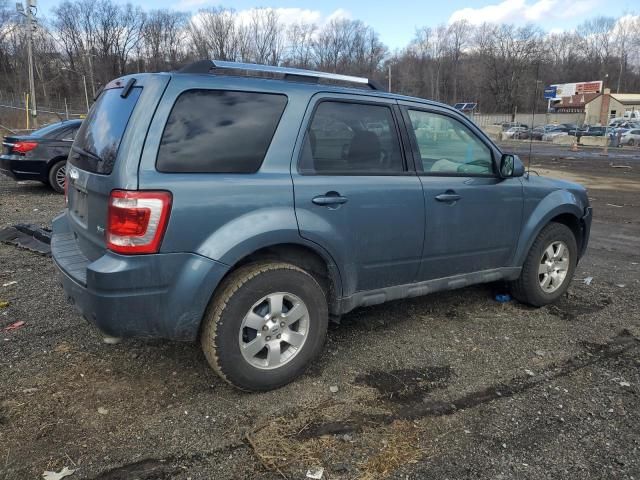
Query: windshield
{"x": 98, "y": 139}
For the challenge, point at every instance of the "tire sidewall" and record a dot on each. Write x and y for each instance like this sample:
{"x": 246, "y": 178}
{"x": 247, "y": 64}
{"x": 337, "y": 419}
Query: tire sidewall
{"x": 52, "y": 176}
{"x": 230, "y": 360}
{"x": 552, "y": 233}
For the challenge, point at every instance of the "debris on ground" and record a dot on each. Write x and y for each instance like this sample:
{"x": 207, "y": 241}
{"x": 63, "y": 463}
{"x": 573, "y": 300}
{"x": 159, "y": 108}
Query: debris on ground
{"x": 619, "y": 166}
{"x": 503, "y": 297}
{"x": 30, "y": 237}
{"x": 587, "y": 280}
{"x": 8, "y": 284}
{"x": 625, "y": 384}
{"x": 333, "y": 389}
{"x": 614, "y": 205}
{"x": 529, "y": 372}
{"x": 65, "y": 472}
{"x": 102, "y": 411}
{"x": 14, "y": 326}
{"x": 3, "y": 304}
{"x": 315, "y": 472}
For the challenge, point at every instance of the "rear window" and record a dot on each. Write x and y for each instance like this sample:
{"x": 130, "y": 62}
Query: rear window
{"x": 47, "y": 130}
{"x": 219, "y": 131}
{"x": 96, "y": 145}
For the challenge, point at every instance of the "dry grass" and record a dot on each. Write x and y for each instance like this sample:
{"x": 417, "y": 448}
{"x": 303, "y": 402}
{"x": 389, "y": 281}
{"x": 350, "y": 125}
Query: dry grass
{"x": 400, "y": 446}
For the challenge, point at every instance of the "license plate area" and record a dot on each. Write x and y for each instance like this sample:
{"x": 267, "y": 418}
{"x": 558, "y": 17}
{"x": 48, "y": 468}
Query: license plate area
{"x": 78, "y": 206}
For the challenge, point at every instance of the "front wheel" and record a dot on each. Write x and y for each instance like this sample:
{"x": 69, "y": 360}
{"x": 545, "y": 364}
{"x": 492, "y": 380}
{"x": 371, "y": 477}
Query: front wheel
{"x": 548, "y": 268}
{"x": 267, "y": 322}
{"x": 56, "y": 176}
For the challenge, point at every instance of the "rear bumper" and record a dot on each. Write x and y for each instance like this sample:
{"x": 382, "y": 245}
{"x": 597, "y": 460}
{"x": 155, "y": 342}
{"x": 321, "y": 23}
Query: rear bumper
{"x": 159, "y": 296}
{"x": 20, "y": 169}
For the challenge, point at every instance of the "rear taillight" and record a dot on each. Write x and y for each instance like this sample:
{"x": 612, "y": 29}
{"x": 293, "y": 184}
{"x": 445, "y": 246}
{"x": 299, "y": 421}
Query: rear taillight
{"x": 24, "y": 147}
{"x": 137, "y": 220}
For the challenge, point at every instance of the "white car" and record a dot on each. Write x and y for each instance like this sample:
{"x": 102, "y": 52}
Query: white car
{"x": 549, "y": 136}
{"x": 514, "y": 132}
{"x": 630, "y": 137}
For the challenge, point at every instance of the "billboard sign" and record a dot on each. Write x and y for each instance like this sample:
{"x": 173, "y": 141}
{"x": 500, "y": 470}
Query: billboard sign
{"x": 550, "y": 92}
{"x": 578, "y": 88}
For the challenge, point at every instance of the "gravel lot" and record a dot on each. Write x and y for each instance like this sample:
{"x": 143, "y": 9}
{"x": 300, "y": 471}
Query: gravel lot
{"x": 452, "y": 385}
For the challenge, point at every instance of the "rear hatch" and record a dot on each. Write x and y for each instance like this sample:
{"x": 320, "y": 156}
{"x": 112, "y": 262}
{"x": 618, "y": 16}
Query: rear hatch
{"x": 105, "y": 154}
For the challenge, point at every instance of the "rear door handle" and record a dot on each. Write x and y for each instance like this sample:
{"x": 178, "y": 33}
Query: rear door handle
{"x": 448, "y": 196}
{"x": 329, "y": 199}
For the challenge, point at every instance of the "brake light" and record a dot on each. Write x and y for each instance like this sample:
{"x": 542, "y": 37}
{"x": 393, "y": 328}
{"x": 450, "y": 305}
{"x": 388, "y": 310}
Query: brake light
{"x": 137, "y": 221}
{"x": 24, "y": 147}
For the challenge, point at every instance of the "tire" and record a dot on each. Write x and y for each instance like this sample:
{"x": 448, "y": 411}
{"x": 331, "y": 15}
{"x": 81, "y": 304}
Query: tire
{"x": 631, "y": 142}
{"x": 56, "y": 176}
{"x": 245, "y": 297}
{"x": 528, "y": 288}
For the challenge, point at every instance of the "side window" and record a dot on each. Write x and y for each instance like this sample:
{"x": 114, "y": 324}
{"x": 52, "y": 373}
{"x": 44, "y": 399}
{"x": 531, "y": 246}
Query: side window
{"x": 219, "y": 131}
{"x": 351, "y": 139}
{"x": 447, "y": 146}
{"x": 69, "y": 134}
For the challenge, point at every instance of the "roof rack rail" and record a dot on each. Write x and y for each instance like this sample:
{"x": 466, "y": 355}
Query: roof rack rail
{"x": 297, "y": 74}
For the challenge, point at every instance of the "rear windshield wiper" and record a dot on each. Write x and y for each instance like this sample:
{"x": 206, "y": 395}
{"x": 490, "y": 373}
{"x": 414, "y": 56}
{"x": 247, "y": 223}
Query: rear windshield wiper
{"x": 86, "y": 153}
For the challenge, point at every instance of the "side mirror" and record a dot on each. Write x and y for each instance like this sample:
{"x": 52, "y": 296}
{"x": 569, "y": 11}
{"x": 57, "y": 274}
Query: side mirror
{"x": 511, "y": 166}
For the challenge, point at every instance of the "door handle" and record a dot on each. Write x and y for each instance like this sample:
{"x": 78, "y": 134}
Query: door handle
{"x": 329, "y": 199}
{"x": 449, "y": 196}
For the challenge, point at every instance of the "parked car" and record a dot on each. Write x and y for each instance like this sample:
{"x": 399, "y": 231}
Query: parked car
{"x": 40, "y": 155}
{"x": 590, "y": 131}
{"x": 630, "y": 137}
{"x": 539, "y": 132}
{"x": 255, "y": 208}
{"x": 515, "y": 133}
{"x": 508, "y": 125}
{"x": 551, "y": 134}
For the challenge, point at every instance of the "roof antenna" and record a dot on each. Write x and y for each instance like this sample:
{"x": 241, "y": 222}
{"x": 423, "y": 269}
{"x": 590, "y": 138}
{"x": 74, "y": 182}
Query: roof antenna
{"x": 533, "y": 117}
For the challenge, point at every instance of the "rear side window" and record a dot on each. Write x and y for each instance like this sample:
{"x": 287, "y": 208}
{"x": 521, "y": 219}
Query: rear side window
{"x": 98, "y": 139}
{"x": 219, "y": 131}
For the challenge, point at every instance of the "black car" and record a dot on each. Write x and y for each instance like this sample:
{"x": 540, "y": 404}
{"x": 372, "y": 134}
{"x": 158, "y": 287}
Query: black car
{"x": 41, "y": 155}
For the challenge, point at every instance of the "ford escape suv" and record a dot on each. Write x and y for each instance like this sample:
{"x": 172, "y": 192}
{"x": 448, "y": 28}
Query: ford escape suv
{"x": 243, "y": 205}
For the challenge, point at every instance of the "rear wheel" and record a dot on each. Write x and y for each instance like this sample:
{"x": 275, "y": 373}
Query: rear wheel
{"x": 631, "y": 142}
{"x": 57, "y": 174}
{"x": 265, "y": 325}
{"x": 549, "y": 266}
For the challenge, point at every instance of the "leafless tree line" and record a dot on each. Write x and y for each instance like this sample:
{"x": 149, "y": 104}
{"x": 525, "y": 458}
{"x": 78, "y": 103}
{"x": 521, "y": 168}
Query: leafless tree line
{"x": 498, "y": 66}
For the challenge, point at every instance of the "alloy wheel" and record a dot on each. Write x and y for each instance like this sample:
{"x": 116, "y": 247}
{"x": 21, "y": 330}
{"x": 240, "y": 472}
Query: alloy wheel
{"x": 554, "y": 266}
{"x": 274, "y": 330}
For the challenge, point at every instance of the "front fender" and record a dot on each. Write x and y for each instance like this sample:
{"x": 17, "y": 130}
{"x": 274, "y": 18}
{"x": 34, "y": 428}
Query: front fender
{"x": 555, "y": 203}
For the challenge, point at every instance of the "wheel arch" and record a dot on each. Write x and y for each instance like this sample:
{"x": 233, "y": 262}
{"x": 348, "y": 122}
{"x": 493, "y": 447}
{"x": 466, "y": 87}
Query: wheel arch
{"x": 557, "y": 207}
{"x": 310, "y": 258}
{"x": 55, "y": 160}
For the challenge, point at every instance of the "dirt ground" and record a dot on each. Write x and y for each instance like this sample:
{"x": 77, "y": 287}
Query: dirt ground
{"x": 452, "y": 385}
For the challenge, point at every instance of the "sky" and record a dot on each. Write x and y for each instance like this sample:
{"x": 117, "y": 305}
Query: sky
{"x": 397, "y": 21}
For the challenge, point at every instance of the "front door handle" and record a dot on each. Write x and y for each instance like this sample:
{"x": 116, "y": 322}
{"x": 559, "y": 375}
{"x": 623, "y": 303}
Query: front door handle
{"x": 329, "y": 199}
{"x": 449, "y": 196}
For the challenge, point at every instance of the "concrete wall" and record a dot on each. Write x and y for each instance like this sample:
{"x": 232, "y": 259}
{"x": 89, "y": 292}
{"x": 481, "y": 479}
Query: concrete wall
{"x": 563, "y": 140}
{"x": 594, "y": 141}
{"x": 540, "y": 119}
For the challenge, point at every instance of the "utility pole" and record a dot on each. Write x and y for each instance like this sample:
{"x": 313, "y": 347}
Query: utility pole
{"x": 389, "y": 77}
{"x": 93, "y": 83}
{"x": 28, "y": 13}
